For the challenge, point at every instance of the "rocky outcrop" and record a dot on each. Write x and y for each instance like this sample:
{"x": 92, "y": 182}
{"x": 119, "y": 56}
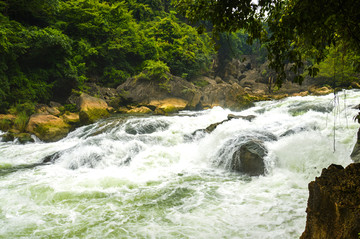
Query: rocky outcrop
{"x": 249, "y": 159}
{"x": 333, "y": 209}
{"x": 92, "y": 109}
{"x": 355, "y": 155}
{"x": 179, "y": 94}
{"x": 237, "y": 88}
{"x": 47, "y": 127}
{"x": 143, "y": 91}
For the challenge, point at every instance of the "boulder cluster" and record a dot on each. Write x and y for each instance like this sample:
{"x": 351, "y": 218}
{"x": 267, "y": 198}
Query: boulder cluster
{"x": 52, "y": 123}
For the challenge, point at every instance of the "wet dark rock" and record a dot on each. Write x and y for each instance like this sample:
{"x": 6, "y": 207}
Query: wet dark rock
{"x": 8, "y": 137}
{"x": 51, "y": 158}
{"x": 249, "y": 158}
{"x": 248, "y": 117}
{"x": 333, "y": 207}
{"x": 212, "y": 127}
{"x": 244, "y": 154}
{"x": 24, "y": 138}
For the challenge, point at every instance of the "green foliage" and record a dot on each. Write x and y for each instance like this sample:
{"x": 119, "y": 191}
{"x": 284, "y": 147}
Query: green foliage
{"x": 20, "y": 122}
{"x": 25, "y": 108}
{"x": 156, "y": 70}
{"x": 339, "y": 68}
{"x": 180, "y": 46}
{"x": 68, "y": 108}
{"x": 5, "y": 124}
{"x": 50, "y": 47}
{"x": 23, "y": 113}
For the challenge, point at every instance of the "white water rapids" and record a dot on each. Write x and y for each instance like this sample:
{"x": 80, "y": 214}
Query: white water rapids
{"x": 144, "y": 177}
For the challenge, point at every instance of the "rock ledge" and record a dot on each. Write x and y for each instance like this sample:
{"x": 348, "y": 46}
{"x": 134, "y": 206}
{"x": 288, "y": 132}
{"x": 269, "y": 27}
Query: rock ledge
{"x": 333, "y": 209}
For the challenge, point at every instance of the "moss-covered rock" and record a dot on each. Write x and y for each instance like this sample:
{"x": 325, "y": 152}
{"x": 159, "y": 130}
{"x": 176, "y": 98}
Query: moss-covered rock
{"x": 169, "y": 105}
{"x": 71, "y": 118}
{"x": 140, "y": 110}
{"x": 48, "y": 128}
{"x": 6, "y": 122}
{"x": 8, "y": 137}
{"x": 23, "y": 138}
{"x": 92, "y": 109}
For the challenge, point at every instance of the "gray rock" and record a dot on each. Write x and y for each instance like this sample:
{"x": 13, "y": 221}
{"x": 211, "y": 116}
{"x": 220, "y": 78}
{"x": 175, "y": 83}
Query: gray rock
{"x": 244, "y": 153}
{"x": 249, "y": 159}
{"x": 248, "y": 117}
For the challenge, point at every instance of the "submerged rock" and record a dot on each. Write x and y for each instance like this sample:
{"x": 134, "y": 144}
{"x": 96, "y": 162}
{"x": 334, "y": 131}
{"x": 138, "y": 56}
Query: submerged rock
{"x": 333, "y": 207}
{"x": 249, "y": 159}
{"x": 145, "y": 127}
{"x": 51, "y": 158}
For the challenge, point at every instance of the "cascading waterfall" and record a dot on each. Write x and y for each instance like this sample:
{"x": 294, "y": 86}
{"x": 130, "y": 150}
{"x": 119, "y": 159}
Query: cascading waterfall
{"x": 148, "y": 177}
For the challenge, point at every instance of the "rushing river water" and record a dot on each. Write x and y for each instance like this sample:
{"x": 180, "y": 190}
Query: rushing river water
{"x": 146, "y": 177}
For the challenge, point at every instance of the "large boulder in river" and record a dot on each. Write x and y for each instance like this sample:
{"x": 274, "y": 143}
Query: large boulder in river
{"x": 92, "y": 109}
{"x": 333, "y": 209}
{"x": 245, "y": 153}
{"x": 225, "y": 95}
{"x": 47, "y": 127}
{"x": 249, "y": 159}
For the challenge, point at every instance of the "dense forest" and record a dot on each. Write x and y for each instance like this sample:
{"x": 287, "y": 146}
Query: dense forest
{"x": 50, "y": 47}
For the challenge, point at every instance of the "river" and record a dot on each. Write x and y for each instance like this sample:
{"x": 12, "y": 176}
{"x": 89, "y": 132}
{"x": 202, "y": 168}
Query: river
{"x": 147, "y": 177}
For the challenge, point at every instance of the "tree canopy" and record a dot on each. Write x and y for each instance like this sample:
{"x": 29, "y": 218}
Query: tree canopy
{"x": 49, "y": 47}
{"x": 292, "y": 30}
